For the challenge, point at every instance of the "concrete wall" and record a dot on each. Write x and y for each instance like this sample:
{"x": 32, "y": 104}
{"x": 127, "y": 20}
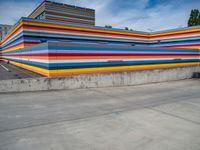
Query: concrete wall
{"x": 97, "y": 80}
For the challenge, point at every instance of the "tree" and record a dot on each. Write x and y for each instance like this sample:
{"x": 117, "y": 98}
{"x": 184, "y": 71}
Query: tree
{"x": 126, "y": 28}
{"x": 108, "y": 26}
{"x": 194, "y": 19}
{"x": 199, "y": 19}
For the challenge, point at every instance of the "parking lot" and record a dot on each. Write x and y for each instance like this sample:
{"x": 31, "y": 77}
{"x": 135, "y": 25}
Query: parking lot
{"x": 9, "y": 71}
{"x": 162, "y": 116}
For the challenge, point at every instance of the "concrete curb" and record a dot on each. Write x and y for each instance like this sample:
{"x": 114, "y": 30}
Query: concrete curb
{"x": 97, "y": 80}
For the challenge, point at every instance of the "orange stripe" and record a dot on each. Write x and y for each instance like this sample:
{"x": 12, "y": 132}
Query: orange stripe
{"x": 70, "y": 20}
{"x": 78, "y": 31}
{"x": 115, "y": 70}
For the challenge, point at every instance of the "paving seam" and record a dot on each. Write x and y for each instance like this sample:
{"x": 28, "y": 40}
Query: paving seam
{"x": 68, "y": 120}
{"x": 175, "y": 116}
{"x": 105, "y": 114}
{"x": 154, "y": 107}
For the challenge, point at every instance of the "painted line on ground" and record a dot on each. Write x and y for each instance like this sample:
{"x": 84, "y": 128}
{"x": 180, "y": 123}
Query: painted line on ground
{"x": 23, "y": 71}
{"x": 5, "y": 67}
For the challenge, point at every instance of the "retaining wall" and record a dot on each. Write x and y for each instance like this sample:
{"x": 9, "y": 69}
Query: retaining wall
{"x": 97, "y": 80}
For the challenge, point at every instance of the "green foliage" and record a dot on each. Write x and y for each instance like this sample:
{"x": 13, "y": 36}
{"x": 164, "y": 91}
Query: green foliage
{"x": 194, "y": 19}
{"x": 108, "y": 26}
{"x": 199, "y": 19}
{"x": 126, "y": 28}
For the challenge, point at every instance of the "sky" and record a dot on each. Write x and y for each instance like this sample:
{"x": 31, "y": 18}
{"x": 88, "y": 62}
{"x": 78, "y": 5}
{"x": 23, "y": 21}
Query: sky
{"x": 140, "y": 15}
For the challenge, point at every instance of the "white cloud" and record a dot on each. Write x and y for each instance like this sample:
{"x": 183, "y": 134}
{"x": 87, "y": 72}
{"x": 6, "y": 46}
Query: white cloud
{"x": 137, "y": 15}
{"x": 12, "y": 11}
{"x": 171, "y": 14}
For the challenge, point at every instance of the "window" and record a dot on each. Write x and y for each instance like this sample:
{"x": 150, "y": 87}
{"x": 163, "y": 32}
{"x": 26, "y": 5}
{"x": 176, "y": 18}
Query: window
{"x": 41, "y": 16}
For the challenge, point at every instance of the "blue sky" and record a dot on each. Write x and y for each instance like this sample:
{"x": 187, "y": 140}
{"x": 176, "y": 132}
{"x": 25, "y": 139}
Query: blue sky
{"x": 142, "y": 15}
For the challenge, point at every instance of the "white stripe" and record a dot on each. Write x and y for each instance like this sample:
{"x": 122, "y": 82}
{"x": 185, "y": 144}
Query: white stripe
{"x": 4, "y": 67}
{"x": 90, "y": 35}
{"x": 94, "y": 60}
{"x": 116, "y": 37}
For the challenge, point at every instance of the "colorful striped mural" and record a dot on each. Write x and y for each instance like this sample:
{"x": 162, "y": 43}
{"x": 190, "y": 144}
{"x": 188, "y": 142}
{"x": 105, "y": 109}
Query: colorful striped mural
{"x": 54, "y": 48}
{"x": 59, "y": 12}
{"x": 58, "y": 59}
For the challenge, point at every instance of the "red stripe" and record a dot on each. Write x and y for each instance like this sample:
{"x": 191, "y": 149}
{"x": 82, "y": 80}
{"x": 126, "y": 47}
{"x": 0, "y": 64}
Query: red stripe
{"x": 88, "y": 54}
{"x": 20, "y": 44}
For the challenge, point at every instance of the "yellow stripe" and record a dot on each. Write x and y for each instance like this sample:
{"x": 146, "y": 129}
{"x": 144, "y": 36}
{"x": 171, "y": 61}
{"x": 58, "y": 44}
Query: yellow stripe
{"x": 12, "y": 31}
{"x": 32, "y": 68}
{"x": 101, "y": 69}
{"x": 187, "y": 47}
{"x": 173, "y": 32}
{"x": 14, "y": 48}
{"x": 110, "y": 31}
{"x": 122, "y": 67}
{"x": 80, "y": 28}
{"x": 25, "y": 22}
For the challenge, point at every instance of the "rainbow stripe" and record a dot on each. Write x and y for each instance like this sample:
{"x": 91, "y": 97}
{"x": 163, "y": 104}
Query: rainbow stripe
{"x": 55, "y": 59}
{"x": 59, "y": 12}
{"x": 54, "y": 49}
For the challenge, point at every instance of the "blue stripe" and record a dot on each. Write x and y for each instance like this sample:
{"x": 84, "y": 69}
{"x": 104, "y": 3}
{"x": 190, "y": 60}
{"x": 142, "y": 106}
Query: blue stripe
{"x": 89, "y": 64}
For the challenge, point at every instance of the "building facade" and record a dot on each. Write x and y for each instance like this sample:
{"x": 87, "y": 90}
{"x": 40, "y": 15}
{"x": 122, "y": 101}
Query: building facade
{"x": 56, "y": 48}
{"x": 64, "y": 13}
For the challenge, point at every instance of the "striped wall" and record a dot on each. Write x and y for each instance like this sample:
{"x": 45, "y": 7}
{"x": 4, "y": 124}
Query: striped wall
{"x": 58, "y": 59}
{"x": 68, "y": 49}
{"x": 52, "y": 31}
{"x": 59, "y": 12}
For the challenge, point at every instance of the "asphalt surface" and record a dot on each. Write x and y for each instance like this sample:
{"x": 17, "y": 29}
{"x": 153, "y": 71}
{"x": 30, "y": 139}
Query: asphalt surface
{"x": 164, "y": 116}
{"x": 9, "y": 71}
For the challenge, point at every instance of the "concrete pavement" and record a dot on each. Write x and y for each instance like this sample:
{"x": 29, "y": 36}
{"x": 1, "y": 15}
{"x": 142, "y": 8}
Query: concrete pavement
{"x": 163, "y": 116}
{"x": 9, "y": 71}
